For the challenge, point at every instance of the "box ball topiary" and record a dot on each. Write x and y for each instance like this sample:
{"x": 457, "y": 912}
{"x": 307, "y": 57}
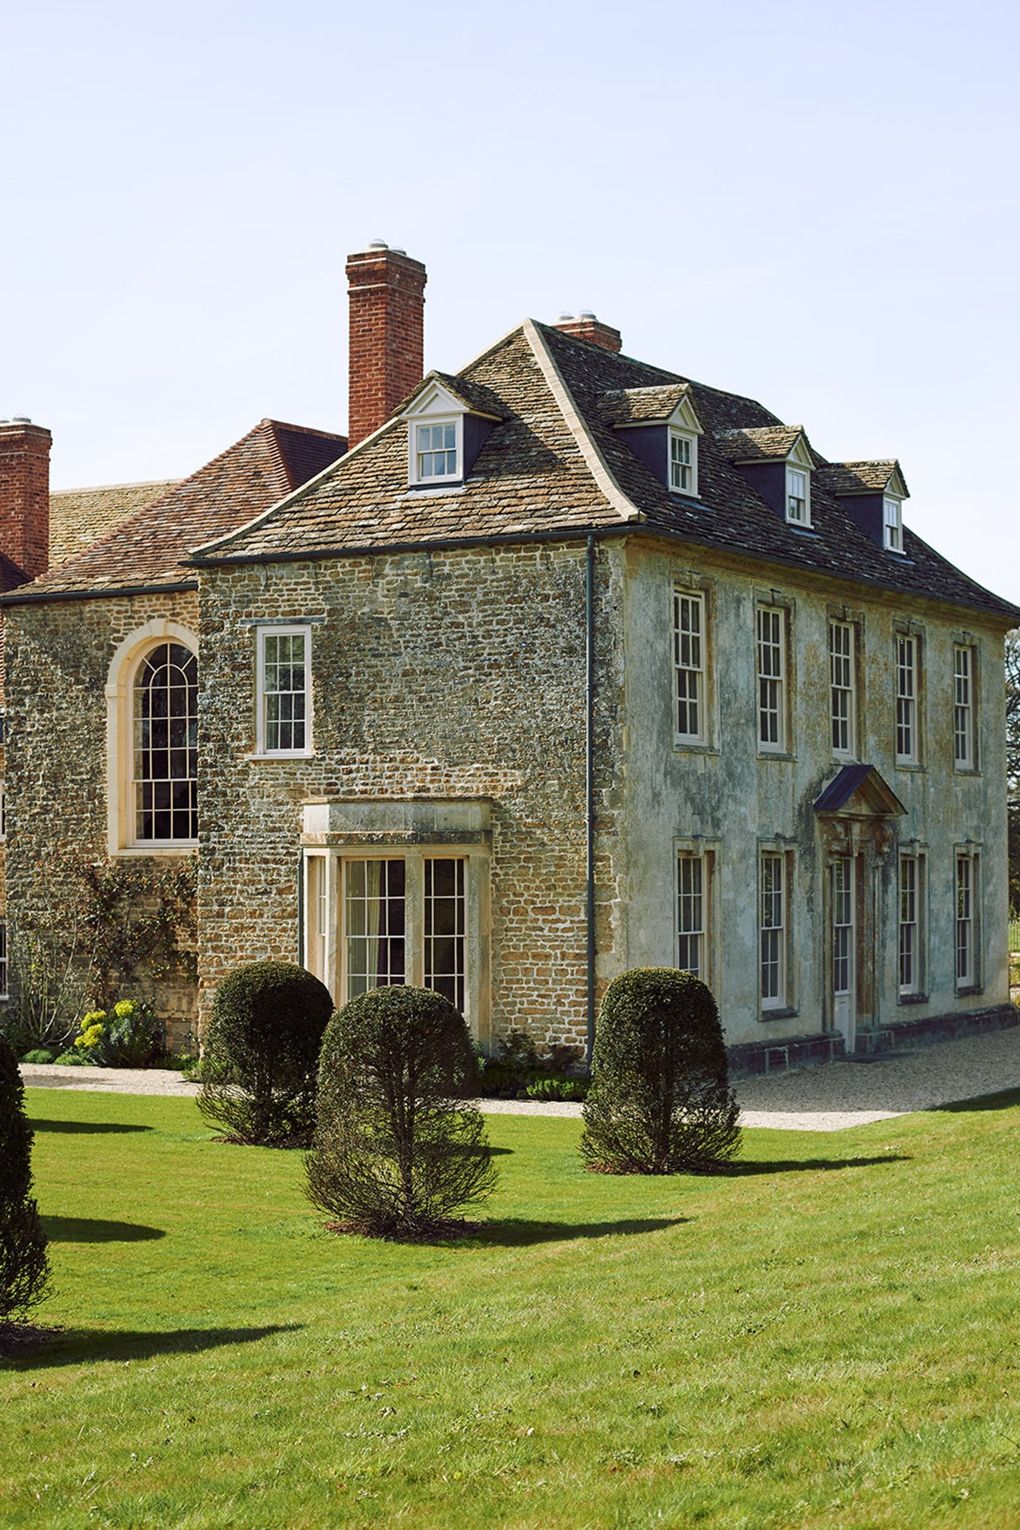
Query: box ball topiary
{"x": 660, "y": 1101}
{"x": 398, "y": 1148}
{"x": 262, "y": 1054}
{"x": 24, "y": 1267}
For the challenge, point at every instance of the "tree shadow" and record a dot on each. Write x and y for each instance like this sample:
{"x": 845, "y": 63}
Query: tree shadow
{"x": 82, "y": 1346}
{"x": 801, "y": 1165}
{"x": 95, "y": 1230}
{"x": 39, "y": 1124}
{"x": 1002, "y": 1100}
{"x": 518, "y": 1232}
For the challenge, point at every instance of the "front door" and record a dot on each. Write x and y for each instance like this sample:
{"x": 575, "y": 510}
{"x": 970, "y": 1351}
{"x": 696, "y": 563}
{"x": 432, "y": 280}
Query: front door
{"x": 842, "y": 902}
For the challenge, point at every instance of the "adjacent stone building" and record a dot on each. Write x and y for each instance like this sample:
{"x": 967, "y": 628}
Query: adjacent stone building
{"x": 568, "y": 665}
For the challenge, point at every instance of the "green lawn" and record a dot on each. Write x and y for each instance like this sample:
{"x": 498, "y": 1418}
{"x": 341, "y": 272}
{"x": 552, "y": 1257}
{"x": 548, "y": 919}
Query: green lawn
{"x": 825, "y": 1337}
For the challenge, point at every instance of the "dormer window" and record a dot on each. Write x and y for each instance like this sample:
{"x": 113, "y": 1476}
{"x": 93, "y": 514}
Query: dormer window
{"x": 683, "y": 462}
{"x": 798, "y": 496}
{"x": 892, "y": 523}
{"x": 437, "y": 451}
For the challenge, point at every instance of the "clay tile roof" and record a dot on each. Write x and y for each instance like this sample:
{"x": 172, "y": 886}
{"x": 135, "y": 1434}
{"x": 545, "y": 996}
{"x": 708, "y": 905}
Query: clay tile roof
{"x": 148, "y": 547}
{"x": 79, "y": 517}
{"x": 856, "y": 477}
{"x": 642, "y": 406}
{"x": 759, "y": 444}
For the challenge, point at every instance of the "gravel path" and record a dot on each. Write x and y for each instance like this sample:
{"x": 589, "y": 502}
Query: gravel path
{"x": 826, "y": 1099}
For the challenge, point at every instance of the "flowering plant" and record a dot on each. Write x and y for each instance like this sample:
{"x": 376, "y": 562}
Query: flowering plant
{"x": 126, "y": 1036}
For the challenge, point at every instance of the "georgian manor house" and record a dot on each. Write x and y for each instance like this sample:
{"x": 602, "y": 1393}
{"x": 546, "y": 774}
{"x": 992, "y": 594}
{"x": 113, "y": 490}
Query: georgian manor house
{"x": 559, "y": 665}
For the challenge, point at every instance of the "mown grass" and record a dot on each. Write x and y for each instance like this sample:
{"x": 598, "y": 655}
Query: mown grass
{"x": 826, "y": 1337}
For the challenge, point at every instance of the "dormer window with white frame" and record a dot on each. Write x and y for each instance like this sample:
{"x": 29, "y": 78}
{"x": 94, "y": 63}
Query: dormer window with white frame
{"x": 437, "y": 450}
{"x": 683, "y": 462}
{"x": 892, "y": 523}
{"x": 798, "y": 485}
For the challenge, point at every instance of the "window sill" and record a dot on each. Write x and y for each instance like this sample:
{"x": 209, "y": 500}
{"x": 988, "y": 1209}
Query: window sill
{"x": 912, "y": 998}
{"x": 443, "y": 486}
{"x": 966, "y": 770}
{"x": 914, "y": 765}
{"x": 781, "y": 1012}
{"x": 280, "y": 754}
{"x": 182, "y": 847}
{"x": 804, "y": 531}
{"x": 969, "y": 990}
{"x": 685, "y": 746}
{"x": 775, "y": 754}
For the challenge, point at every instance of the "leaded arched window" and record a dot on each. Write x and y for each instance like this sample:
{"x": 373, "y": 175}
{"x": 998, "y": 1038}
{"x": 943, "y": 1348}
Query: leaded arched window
{"x": 166, "y": 745}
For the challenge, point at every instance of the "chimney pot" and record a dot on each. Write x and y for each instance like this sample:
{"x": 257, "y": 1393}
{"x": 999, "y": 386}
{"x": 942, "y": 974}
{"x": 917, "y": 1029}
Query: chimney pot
{"x": 587, "y": 327}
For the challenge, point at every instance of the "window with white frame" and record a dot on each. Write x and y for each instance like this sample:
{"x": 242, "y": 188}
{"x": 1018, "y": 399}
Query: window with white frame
{"x": 689, "y": 667}
{"x": 692, "y": 913}
{"x": 771, "y": 678}
{"x": 892, "y": 523}
{"x": 967, "y": 867}
{"x": 284, "y": 690}
{"x": 911, "y": 924}
{"x": 3, "y": 958}
{"x": 907, "y": 742}
{"x": 773, "y": 929}
{"x": 165, "y": 781}
{"x": 963, "y": 707}
{"x": 436, "y": 453}
{"x": 798, "y": 496}
{"x": 683, "y": 462}
{"x": 384, "y": 941}
{"x": 842, "y": 687}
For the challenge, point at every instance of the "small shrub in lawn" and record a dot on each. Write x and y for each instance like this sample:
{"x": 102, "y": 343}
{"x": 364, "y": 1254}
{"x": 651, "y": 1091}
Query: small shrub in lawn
{"x": 553, "y": 1086}
{"x": 262, "y": 1054}
{"x": 126, "y": 1036}
{"x": 397, "y": 1148}
{"x": 24, "y": 1268}
{"x": 660, "y": 1101}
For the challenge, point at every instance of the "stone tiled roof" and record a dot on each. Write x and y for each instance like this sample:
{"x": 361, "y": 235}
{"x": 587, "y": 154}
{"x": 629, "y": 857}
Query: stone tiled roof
{"x": 147, "y": 547}
{"x": 79, "y": 517}
{"x": 766, "y": 443}
{"x": 856, "y": 477}
{"x": 556, "y": 464}
{"x": 475, "y": 397}
{"x": 642, "y": 406}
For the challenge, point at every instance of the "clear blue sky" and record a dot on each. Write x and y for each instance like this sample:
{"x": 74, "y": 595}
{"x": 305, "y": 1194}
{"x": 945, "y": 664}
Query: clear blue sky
{"x": 810, "y": 203}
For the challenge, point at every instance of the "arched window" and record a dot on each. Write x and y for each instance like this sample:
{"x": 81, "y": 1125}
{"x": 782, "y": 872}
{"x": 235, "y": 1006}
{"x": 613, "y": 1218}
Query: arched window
{"x": 152, "y": 741}
{"x": 166, "y": 745}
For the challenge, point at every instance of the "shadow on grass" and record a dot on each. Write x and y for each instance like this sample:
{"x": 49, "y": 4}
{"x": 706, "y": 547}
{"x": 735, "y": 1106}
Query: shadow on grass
{"x": 81, "y": 1346}
{"x": 1003, "y": 1100}
{"x": 39, "y": 1125}
{"x": 95, "y": 1230}
{"x": 800, "y": 1165}
{"x": 514, "y": 1232}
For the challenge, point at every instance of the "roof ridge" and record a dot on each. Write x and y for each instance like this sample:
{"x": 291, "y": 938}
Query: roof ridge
{"x": 113, "y": 488}
{"x": 303, "y": 430}
{"x": 590, "y": 451}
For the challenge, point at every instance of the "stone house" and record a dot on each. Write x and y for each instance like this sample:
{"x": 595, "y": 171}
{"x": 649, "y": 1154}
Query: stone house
{"x": 568, "y": 664}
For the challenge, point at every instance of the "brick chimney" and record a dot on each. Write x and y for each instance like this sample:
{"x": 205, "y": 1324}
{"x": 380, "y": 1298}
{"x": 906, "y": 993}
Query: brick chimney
{"x": 387, "y": 314}
{"x": 25, "y": 495}
{"x": 586, "y": 327}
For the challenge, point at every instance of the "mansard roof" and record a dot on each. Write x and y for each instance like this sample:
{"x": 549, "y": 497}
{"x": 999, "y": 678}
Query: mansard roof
{"x": 147, "y": 547}
{"x": 555, "y": 464}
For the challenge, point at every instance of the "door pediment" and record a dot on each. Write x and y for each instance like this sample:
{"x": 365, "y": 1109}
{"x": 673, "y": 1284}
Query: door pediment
{"x": 859, "y": 791}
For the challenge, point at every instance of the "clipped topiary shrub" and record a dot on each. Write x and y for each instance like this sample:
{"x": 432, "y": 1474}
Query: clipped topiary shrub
{"x": 660, "y": 1101}
{"x": 397, "y": 1148}
{"x": 262, "y": 1054}
{"x": 24, "y": 1267}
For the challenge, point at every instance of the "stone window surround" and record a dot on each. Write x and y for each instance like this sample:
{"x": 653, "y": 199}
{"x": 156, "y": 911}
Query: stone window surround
{"x": 969, "y": 851}
{"x": 336, "y": 830}
{"x": 909, "y": 628}
{"x": 707, "y": 851}
{"x": 282, "y": 629}
{"x": 915, "y": 851}
{"x": 120, "y": 684}
{"x": 783, "y": 1006}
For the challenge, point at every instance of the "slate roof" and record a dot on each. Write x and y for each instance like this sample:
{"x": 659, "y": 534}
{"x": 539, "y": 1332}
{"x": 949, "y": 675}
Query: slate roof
{"x": 79, "y": 517}
{"x": 848, "y": 781}
{"x": 642, "y": 406}
{"x": 856, "y": 477}
{"x": 766, "y": 443}
{"x": 556, "y": 464}
{"x": 148, "y": 547}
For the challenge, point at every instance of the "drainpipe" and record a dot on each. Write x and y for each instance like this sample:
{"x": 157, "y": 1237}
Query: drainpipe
{"x": 589, "y": 782}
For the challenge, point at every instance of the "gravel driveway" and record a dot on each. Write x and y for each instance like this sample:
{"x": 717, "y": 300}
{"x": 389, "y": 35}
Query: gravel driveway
{"x": 826, "y": 1099}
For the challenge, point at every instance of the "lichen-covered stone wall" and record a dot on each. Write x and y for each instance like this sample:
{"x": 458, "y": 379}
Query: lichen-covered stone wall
{"x": 58, "y": 661}
{"x": 446, "y": 674}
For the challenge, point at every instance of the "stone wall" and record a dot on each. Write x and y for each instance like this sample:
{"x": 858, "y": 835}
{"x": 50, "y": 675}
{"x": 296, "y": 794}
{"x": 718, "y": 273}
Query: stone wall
{"x": 58, "y": 660}
{"x": 444, "y": 675}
